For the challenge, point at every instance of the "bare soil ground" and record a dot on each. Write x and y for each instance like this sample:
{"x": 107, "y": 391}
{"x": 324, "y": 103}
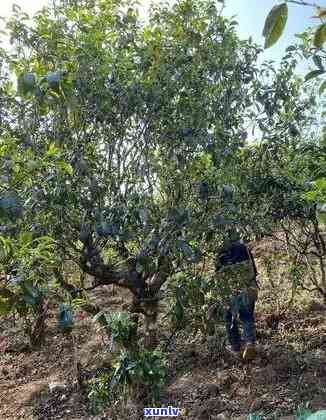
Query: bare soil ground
{"x": 204, "y": 380}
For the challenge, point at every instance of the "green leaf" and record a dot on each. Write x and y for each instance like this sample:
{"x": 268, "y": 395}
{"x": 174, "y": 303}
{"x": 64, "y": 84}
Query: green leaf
{"x": 291, "y": 48}
{"x": 102, "y": 317}
{"x": 322, "y": 87}
{"x": 53, "y": 151}
{"x": 318, "y": 62}
{"x": 320, "y": 183}
{"x": 32, "y": 165}
{"x": 65, "y": 167}
{"x": 313, "y": 74}
{"x": 275, "y": 24}
{"x": 321, "y": 218}
{"x": 220, "y": 221}
{"x": 6, "y": 293}
{"x": 311, "y": 195}
{"x": 31, "y": 294}
{"x": 10, "y": 206}
{"x": 143, "y": 264}
{"x": 185, "y": 248}
{"x": 26, "y": 83}
{"x": 25, "y": 238}
{"x": 5, "y": 248}
{"x": 320, "y": 36}
{"x": 5, "y": 306}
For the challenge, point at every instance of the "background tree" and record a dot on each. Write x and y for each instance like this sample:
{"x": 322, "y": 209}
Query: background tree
{"x": 105, "y": 137}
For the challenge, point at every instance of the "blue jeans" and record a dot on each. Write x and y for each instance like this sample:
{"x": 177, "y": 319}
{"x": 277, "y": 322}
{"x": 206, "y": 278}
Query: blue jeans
{"x": 245, "y": 312}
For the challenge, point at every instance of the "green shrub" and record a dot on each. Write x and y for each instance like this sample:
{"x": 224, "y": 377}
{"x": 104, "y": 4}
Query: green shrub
{"x": 150, "y": 372}
{"x": 99, "y": 393}
{"x": 119, "y": 326}
{"x": 141, "y": 375}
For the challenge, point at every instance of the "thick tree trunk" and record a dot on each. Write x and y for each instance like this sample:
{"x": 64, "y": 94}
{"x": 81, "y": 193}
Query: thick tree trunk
{"x": 38, "y": 329}
{"x": 132, "y": 344}
{"x": 151, "y": 314}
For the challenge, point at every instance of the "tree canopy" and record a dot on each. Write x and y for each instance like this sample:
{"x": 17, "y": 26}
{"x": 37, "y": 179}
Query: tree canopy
{"x": 126, "y": 147}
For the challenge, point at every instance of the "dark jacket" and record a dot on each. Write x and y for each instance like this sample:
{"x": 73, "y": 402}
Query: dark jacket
{"x": 233, "y": 254}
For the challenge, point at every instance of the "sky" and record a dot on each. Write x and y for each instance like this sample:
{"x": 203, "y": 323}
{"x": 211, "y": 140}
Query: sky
{"x": 250, "y": 15}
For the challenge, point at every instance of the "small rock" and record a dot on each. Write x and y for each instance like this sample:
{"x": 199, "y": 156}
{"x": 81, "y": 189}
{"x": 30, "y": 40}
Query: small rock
{"x": 63, "y": 397}
{"x": 224, "y": 379}
{"x": 56, "y": 386}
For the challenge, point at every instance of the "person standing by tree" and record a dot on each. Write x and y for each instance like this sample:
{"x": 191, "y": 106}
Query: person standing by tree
{"x": 237, "y": 283}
